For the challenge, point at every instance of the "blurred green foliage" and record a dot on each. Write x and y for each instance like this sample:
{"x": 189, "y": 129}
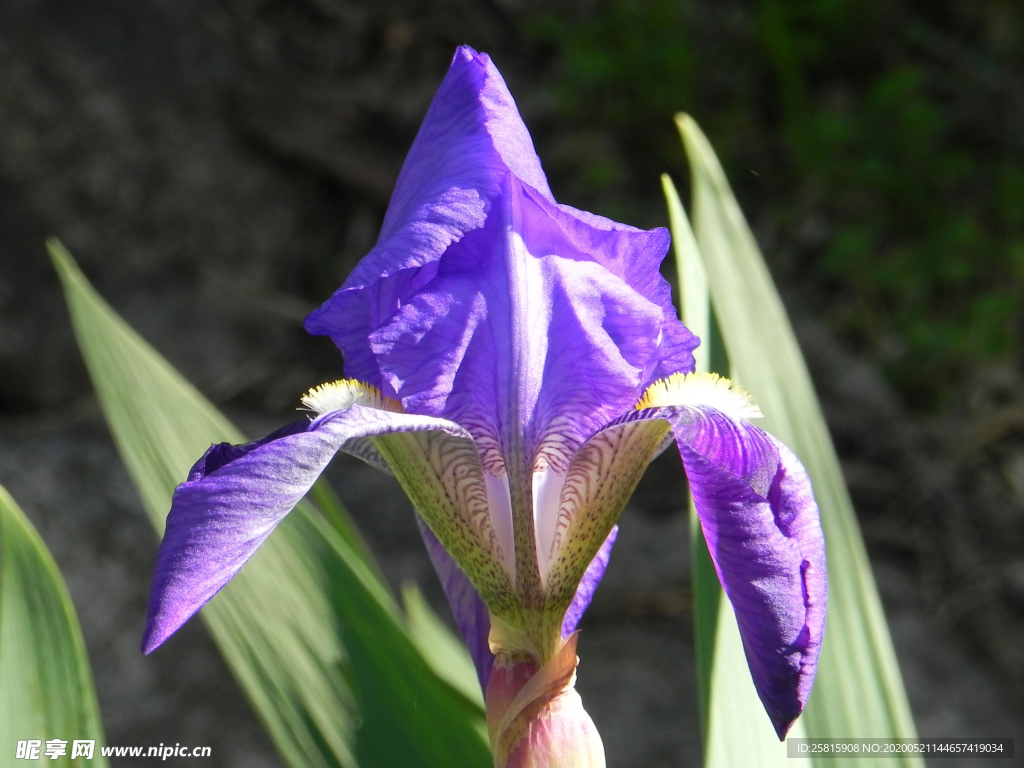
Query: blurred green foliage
{"x": 878, "y": 145}
{"x": 623, "y": 70}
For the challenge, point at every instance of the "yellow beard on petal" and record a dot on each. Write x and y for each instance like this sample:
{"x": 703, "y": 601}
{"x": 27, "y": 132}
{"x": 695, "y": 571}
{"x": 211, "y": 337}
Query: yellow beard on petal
{"x": 701, "y": 389}
{"x": 343, "y": 394}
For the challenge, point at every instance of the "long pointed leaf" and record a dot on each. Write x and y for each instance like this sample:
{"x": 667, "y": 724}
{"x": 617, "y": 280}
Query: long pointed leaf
{"x": 46, "y": 688}
{"x": 439, "y": 645}
{"x": 859, "y": 690}
{"x": 695, "y": 312}
{"x": 307, "y": 627}
{"x": 734, "y": 726}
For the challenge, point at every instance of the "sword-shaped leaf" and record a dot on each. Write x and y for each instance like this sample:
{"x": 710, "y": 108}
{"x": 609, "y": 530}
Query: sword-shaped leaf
{"x": 309, "y": 630}
{"x": 46, "y": 689}
{"x": 859, "y": 690}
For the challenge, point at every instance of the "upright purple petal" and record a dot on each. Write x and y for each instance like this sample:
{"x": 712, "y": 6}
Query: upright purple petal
{"x": 468, "y": 608}
{"x": 471, "y": 138}
{"x": 525, "y": 339}
{"x": 485, "y": 302}
{"x": 635, "y": 257}
{"x": 236, "y": 495}
{"x": 473, "y": 105}
{"x": 762, "y": 528}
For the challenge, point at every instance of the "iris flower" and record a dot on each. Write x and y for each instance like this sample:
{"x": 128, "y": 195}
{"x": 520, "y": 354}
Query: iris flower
{"x": 516, "y": 364}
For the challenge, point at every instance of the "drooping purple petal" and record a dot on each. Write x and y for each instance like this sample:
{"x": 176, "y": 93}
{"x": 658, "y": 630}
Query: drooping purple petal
{"x": 468, "y": 609}
{"x": 588, "y": 584}
{"x": 761, "y": 524}
{"x": 220, "y": 454}
{"x": 760, "y": 521}
{"x": 236, "y": 495}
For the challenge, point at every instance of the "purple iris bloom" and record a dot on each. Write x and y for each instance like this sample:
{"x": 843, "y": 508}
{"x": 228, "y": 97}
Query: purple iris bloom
{"x": 516, "y": 364}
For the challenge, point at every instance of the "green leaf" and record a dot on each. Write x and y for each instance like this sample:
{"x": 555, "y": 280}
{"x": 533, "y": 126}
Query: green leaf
{"x": 46, "y": 689}
{"x": 726, "y": 692}
{"x": 695, "y": 312}
{"x": 859, "y": 690}
{"x": 694, "y": 301}
{"x": 738, "y": 731}
{"x": 439, "y": 646}
{"x": 308, "y": 628}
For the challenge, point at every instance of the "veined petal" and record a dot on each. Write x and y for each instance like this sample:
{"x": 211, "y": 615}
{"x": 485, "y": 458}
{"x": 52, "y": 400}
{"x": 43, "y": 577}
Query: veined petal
{"x": 601, "y": 478}
{"x": 236, "y": 495}
{"x": 470, "y": 612}
{"x": 441, "y": 474}
{"x": 756, "y": 509}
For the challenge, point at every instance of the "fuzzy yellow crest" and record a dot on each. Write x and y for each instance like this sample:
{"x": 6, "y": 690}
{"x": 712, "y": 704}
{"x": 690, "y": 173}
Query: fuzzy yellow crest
{"x": 343, "y": 394}
{"x": 701, "y": 389}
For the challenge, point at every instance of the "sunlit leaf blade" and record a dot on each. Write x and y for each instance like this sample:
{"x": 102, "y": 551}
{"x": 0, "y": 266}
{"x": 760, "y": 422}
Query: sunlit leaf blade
{"x": 859, "y": 690}
{"x": 735, "y": 729}
{"x": 409, "y": 716}
{"x": 738, "y": 731}
{"x": 695, "y": 312}
{"x": 46, "y": 689}
{"x": 694, "y": 302}
{"x": 307, "y": 627}
{"x": 439, "y": 646}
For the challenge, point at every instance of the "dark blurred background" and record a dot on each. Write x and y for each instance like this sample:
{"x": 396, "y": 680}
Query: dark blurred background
{"x": 218, "y": 167}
